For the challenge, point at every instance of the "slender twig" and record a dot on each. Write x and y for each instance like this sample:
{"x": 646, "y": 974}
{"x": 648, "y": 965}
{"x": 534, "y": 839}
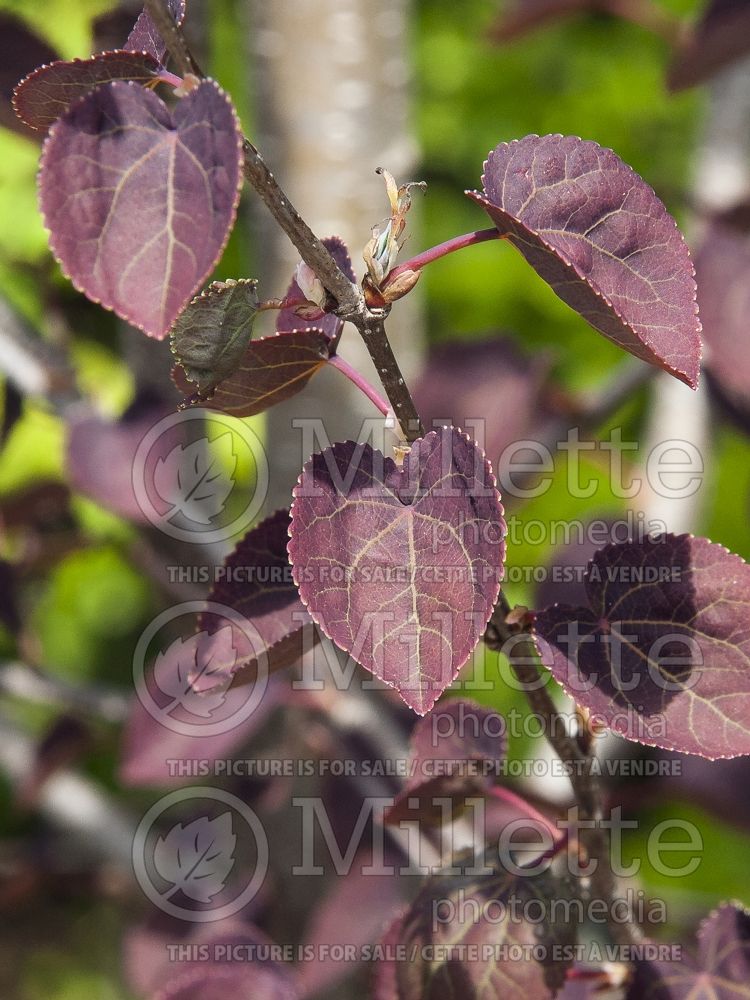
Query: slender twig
{"x": 310, "y": 248}
{"x": 377, "y": 343}
{"x": 361, "y": 383}
{"x": 516, "y": 642}
{"x": 442, "y": 250}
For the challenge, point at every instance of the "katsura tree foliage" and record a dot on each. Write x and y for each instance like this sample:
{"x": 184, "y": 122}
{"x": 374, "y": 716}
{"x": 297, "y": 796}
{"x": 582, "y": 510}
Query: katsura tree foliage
{"x": 398, "y": 556}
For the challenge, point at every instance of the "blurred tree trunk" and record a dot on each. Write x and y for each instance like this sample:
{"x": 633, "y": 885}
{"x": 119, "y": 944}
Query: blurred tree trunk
{"x": 331, "y": 88}
{"x": 721, "y": 182}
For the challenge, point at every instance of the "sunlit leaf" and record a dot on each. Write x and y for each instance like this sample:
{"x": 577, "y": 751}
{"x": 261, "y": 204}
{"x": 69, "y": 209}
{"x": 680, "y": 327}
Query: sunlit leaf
{"x": 401, "y": 567}
{"x": 602, "y": 240}
{"x": 47, "y": 93}
{"x": 140, "y": 200}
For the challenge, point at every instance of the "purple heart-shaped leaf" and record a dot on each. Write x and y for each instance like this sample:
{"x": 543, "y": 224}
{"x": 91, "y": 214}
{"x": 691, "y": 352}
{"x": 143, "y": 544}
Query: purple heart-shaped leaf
{"x": 602, "y": 240}
{"x": 47, "y": 93}
{"x": 139, "y": 200}
{"x": 661, "y": 655}
{"x": 146, "y": 38}
{"x": 272, "y": 369}
{"x": 401, "y": 567}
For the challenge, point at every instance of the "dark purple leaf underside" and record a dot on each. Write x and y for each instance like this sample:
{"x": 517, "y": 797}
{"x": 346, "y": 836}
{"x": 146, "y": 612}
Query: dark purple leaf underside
{"x": 47, "y": 93}
{"x": 288, "y": 320}
{"x": 602, "y": 240}
{"x": 256, "y": 582}
{"x": 272, "y": 369}
{"x": 722, "y": 266}
{"x": 437, "y": 968}
{"x": 145, "y": 38}
{"x": 400, "y": 567}
{"x": 452, "y": 755}
{"x": 21, "y": 51}
{"x": 210, "y": 336}
{"x": 720, "y": 971}
{"x": 140, "y": 201}
{"x": 720, "y": 37}
{"x": 662, "y": 655}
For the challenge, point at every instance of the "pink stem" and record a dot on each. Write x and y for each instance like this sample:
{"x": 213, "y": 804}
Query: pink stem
{"x": 166, "y": 77}
{"x": 506, "y": 795}
{"x": 361, "y": 383}
{"x": 442, "y": 249}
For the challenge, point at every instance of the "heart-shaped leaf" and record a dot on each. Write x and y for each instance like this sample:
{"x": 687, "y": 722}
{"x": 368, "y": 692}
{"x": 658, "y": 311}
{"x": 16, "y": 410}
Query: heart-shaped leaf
{"x": 602, "y": 240}
{"x": 460, "y": 934}
{"x": 211, "y": 335}
{"x": 401, "y": 567}
{"x": 140, "y": 201}
{"x": 47, "y": 93}
{"x": 720, "y": 971}
{"x": 256, "y": 581}
{"x": 662, "y": 655}
{"x": 453, "y": 755}
{"x": 272, "y": 369}
{"x": 145, "y": 38}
